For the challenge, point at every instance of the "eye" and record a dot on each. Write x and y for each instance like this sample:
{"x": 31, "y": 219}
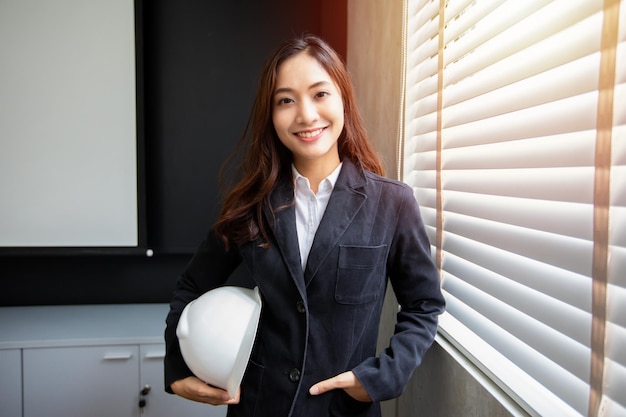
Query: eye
{"x": 322, "y": 94}
{"x": 284, "y": 100}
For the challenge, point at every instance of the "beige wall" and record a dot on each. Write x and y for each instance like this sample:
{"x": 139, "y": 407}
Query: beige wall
{"x": 374, "y": 61}
{"x": 440, "y": 387}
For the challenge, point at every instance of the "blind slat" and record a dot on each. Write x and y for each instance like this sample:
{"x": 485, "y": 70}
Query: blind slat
{"x": 571, "y": 357}
{"x": 573, "y": 114}
{"x": 560, "y": 218}
{"x": 569, "y": 80}
{"x": 424, "y": 142}
{"x": 420, "y": 77}
{"x": 424, "y": 179}
{"x": 566, "y": 150}
{"x": 614, "y": 383}
{"x": 619, "y": 113}
{"x": 563, "y": 285}
{"x": 466, "y": 15}
{"x": 517, "y": 299}
{"x": 510, "y": 377}
{"x": 422, "y": 11}
{"x": 513, "y": 28}
{"x": 424, "y": 159}
{"x": 617, "y": 216}
{"x": 619, "y": 162}
{"x": 617, "y": 266}
{"x": 500, "y": 20}
{"x": 527, "y": 63}
{"x": 571, "y": 389}
{"x": 574, "y": 184}
{"x": 567, "y": 253}
{"x": 425, "y": 107}
{"x": 617, "y": 319}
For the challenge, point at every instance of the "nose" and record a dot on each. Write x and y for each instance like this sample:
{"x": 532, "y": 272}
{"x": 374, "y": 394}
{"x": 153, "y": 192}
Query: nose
{"x": 307, "y": 112}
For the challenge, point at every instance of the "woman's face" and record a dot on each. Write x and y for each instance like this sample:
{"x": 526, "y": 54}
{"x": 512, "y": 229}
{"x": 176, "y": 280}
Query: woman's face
{"x": 307, "y": 112}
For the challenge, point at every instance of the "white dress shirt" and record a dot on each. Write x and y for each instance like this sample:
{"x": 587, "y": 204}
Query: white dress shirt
{"x": 310, "y": 208}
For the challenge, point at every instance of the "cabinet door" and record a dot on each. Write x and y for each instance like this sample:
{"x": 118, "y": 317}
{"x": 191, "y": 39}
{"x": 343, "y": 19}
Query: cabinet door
{"x": 10, "y": 382}
{"x": 158, "y": 402}
{"x": 93, "y": 381}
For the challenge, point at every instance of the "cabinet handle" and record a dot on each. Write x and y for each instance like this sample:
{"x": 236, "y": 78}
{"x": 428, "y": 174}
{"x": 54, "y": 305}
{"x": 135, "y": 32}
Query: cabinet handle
{"x": 117, "y": 356}
{"x": 155, "y": 355}
{"x": 145, "y": 390}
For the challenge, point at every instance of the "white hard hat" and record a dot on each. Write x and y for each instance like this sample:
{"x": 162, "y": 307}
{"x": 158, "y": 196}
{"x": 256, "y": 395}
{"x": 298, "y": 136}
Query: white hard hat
{"x": 216, "y": 333}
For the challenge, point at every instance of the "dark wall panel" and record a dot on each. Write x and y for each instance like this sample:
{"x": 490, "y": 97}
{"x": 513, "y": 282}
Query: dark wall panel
{"x": 202, "y": 63}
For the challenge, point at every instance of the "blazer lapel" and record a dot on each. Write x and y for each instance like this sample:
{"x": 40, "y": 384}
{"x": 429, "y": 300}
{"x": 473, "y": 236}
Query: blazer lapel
{"x": 344, "y": 204}
{"x": 283, "y": 225}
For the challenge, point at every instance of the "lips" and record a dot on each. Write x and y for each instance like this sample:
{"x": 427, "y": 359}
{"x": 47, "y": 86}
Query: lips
{"x": 310, "y": 134}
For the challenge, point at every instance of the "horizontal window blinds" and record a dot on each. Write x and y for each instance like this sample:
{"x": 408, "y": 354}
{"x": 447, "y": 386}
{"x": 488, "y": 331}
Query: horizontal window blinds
{"x": 501, "y": 138}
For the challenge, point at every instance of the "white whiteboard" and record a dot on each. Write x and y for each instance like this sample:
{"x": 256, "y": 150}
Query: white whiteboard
{"x": 68, "y": 147}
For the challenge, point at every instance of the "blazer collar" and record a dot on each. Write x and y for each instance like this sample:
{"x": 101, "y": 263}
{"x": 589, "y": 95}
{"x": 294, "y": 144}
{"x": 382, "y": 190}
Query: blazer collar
{"x": 281, "y": 220}
{"x": 345, "y": 202}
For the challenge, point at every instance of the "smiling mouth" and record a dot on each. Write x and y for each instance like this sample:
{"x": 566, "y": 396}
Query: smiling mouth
{"x": 310, "y": 133}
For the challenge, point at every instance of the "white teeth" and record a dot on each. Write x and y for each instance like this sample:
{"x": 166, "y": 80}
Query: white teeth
{"x": 309, "y": 134}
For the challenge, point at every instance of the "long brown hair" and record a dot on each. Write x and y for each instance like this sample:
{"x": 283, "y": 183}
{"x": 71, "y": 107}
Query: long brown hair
{"x": 266, "y": 160}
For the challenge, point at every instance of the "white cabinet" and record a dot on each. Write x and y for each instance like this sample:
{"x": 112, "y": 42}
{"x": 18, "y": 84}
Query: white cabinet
{"x": 81, "y": 381}
{"x": 87, "y": 361}
{"x": 158, "y": 402}
{"x": 11, "y": 382}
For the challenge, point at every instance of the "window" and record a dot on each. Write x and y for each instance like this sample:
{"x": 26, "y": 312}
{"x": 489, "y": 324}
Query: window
{"x": 515, "y": 144}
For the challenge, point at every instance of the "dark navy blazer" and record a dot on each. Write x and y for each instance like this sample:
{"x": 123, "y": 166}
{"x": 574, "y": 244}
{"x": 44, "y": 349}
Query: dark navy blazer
{"x": 324, "y": 320}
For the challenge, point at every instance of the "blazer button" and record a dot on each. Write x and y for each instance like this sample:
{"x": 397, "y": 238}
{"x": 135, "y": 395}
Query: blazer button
{"x": 300, "y": 307}
{"x": 294, "y": 375}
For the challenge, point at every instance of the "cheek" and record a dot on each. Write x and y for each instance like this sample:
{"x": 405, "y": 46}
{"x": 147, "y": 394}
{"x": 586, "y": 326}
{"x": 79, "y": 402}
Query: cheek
{"x": 281, "y": 128}
{"x": 279, "y": 122}
{"x": 338, "y": 111}
{"x": 282, "y": 119}
{"x": 339, "y": 115}
{"x": 275, "y": 120}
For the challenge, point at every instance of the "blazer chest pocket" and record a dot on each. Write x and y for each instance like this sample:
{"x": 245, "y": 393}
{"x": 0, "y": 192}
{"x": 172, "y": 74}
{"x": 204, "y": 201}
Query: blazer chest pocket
{"x": 360, "y": 274}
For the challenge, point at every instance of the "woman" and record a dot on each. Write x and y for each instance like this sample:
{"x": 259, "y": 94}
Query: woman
{"x": 320, "y": 231}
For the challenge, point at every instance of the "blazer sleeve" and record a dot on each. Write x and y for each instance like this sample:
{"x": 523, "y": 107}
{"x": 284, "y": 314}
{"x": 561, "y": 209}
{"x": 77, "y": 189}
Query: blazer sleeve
{"x": 209, "y": 268}
{"x": 415, "y": 280}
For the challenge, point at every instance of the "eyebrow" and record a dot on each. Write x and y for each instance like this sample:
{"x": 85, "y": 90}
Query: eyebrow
{"x": 290, "y": 90}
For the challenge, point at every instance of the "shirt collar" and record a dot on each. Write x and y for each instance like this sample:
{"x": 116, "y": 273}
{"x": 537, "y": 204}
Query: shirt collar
{"x": 331, "y": 178}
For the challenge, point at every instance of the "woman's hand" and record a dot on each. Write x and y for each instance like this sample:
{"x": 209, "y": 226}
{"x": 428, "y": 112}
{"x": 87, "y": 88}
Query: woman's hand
{"x": 194, "y": 389}
{"x": 346, "y": 381}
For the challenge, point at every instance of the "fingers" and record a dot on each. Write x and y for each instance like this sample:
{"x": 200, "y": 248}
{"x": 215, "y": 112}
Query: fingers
{"x": 194, "y": 389}
{"x": 346, "y": 381}
{"x": 340, "y": 381}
